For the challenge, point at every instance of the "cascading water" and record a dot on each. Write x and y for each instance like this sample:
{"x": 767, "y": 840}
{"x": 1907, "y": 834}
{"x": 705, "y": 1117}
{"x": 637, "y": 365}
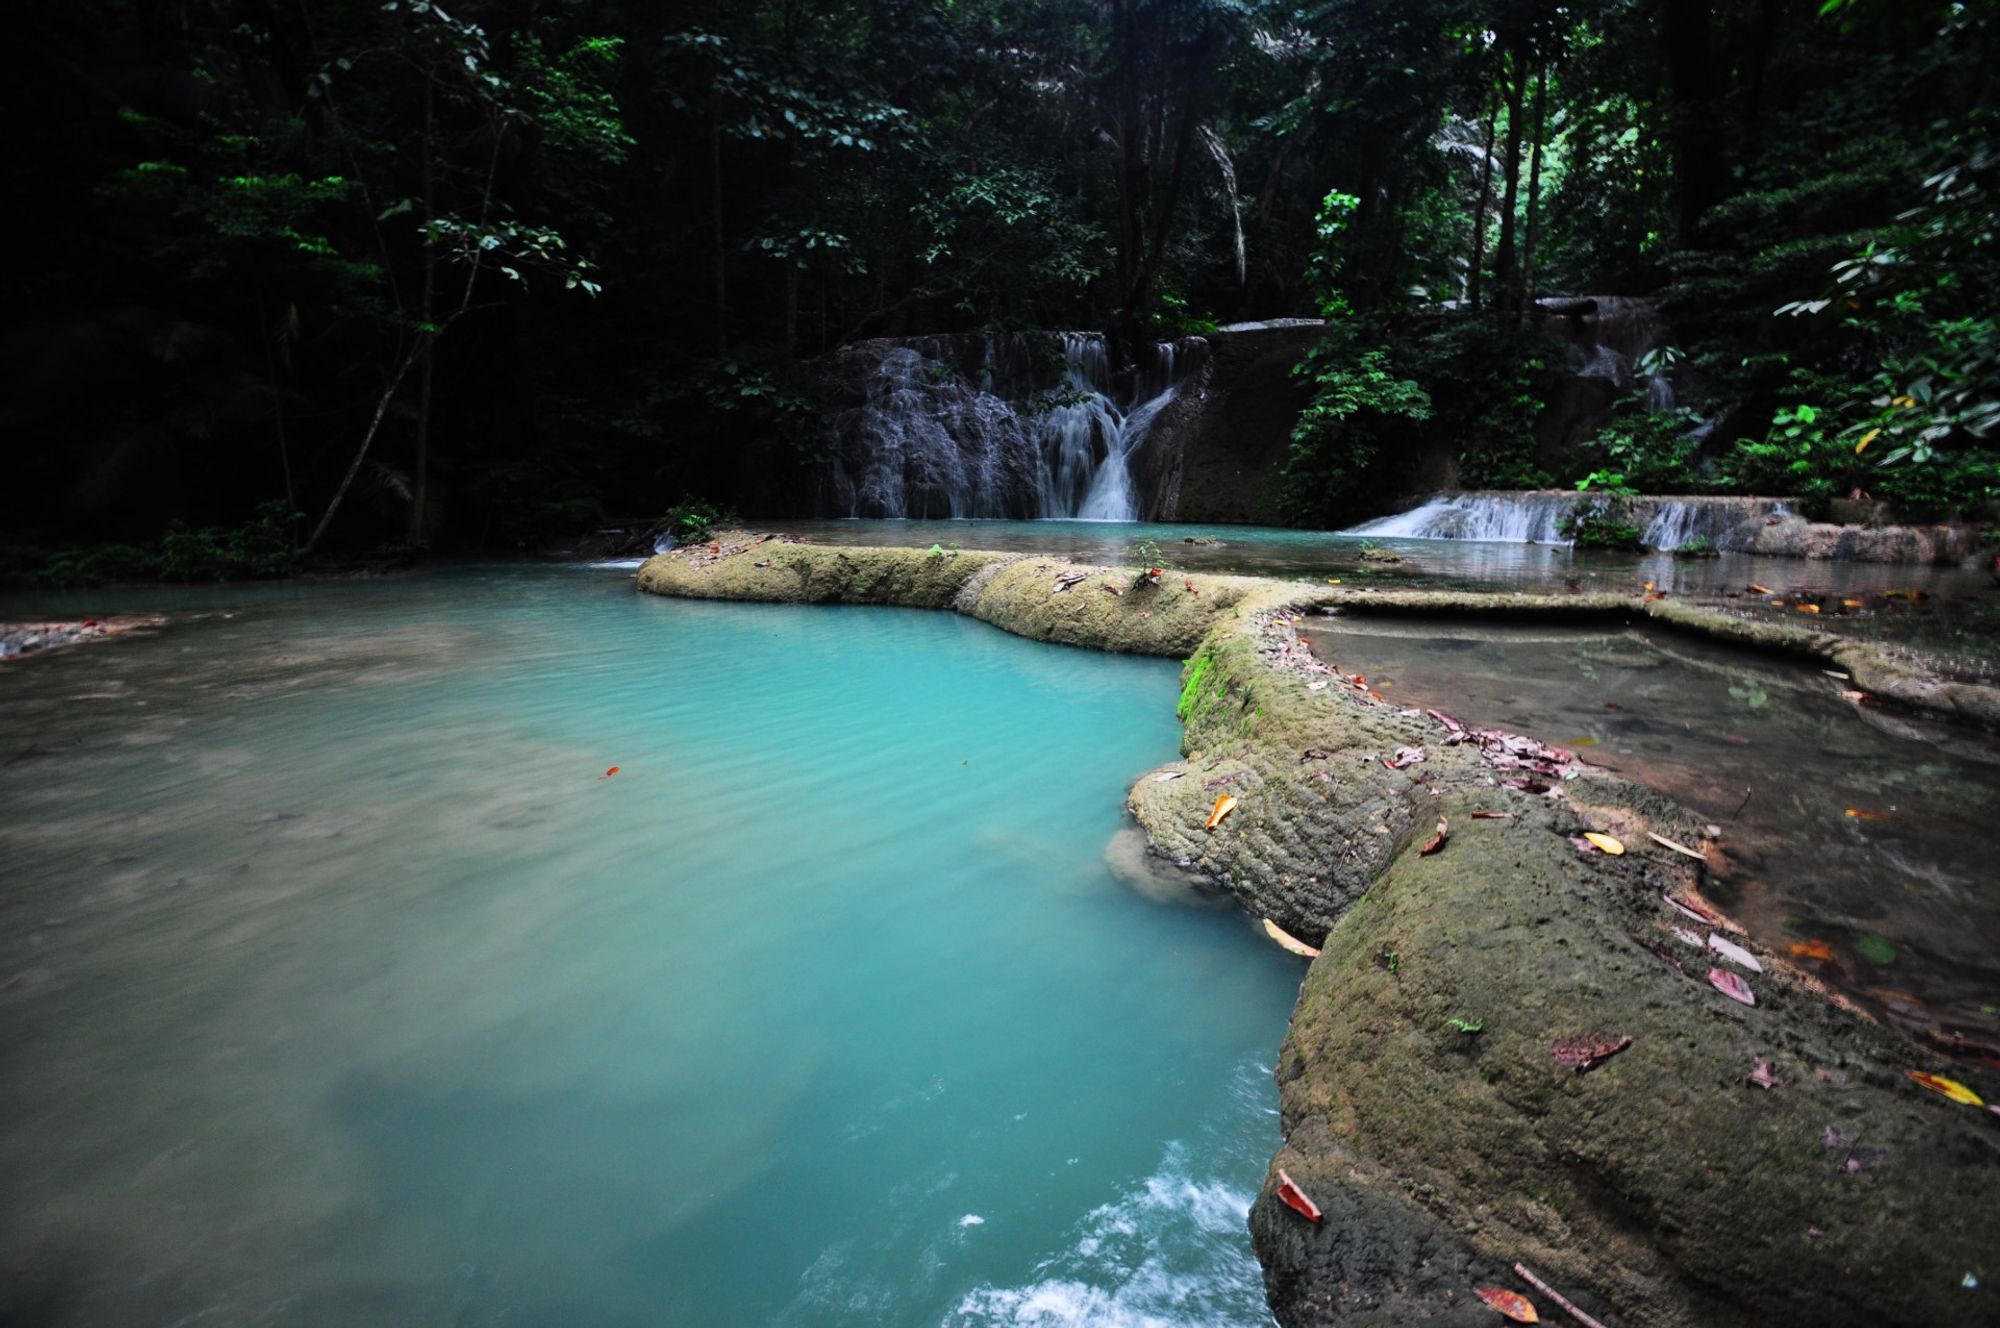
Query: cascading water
{"x": 1536, "y": 518}
{"x": 1517, "y": 518}
{"x": 931, "y": 440}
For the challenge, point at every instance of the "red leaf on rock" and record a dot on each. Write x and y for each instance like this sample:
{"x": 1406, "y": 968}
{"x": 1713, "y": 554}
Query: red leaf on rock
{"x": 1437, "y": 840}
{"x": 1295, "y": 1199}
{"x": 1735, "y": 988}
{"x": 1760, "y": 1074}
{"x": 1586, "y": 1051}
{"x": 1510, "y": 1303}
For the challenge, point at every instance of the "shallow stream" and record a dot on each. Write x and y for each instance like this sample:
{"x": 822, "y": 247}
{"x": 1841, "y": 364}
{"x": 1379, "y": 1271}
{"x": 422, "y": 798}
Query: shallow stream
{"x": 1860, "y": 835}
{"x": 337, "y": 987}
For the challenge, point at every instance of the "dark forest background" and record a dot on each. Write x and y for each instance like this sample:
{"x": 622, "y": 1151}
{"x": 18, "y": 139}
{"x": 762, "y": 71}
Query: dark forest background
{"x": 294, "y": 274}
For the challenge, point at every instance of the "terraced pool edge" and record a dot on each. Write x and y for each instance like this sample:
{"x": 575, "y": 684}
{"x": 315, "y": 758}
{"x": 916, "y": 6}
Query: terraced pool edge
{"x": 1661, "y": 1189}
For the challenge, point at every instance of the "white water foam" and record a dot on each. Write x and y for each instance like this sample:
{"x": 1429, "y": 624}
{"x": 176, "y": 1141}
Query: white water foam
{"x": 1173, "y": 1252}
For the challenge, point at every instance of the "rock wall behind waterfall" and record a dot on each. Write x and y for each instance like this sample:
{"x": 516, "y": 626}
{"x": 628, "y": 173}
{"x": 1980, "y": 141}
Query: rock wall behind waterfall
{"x": 1008, "y": 425}
{"x": 1218, "y": 451}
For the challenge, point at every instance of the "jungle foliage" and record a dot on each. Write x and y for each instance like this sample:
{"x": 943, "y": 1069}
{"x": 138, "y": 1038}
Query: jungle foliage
{"x": 487, "y": 274}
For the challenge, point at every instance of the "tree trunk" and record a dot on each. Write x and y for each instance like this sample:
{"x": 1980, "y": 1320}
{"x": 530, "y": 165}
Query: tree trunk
{"x": 278, "y": 414}
{"x": 367, "y": 439}
{"x": 1535, "y": 184}
{"x": 420, "y": 473}
{"x": 1474, "y": 279}
{"x": 1695, "y": 128}
{"x": 1132, "y": 185}
{"x": 715, "y": 198}
{"x": 420, "y": 483}
{"x": 1506, "y": 263}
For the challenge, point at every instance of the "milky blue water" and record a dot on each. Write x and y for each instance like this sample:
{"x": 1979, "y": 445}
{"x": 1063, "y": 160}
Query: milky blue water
{"x": 337, "y": 988}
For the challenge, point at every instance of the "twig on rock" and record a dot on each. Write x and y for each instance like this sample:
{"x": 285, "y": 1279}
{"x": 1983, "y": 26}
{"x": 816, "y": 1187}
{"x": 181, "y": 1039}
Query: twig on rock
{"x": 1557, "y": 1296}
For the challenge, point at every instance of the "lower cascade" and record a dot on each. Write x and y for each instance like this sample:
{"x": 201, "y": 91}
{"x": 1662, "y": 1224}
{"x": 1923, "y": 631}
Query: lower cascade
{"x": 1536, "y": 517}
{"x": 996, "y": 427}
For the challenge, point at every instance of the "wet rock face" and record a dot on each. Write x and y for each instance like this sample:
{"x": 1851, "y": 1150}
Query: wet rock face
{"x": 1733, "y": 1164}
{"x": 1792, "y": 536}
{"x": 1663, "y": 1186}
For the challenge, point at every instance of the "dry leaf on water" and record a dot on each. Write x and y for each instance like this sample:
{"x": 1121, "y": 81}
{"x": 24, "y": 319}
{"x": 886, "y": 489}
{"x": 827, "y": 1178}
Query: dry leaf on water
{"x": 1760, "y": 1074}
{"x": 1288, "y": 941}
{"x": 612, "y": 771}
{"x": 1676, "y": 846}
{"x": 1295, "y": 1199}
{"x": 1437, "y": 840}
{"x": 1224, "y": 805}
{"x": 1586, "y": 1051}
{"x": 1605, "y": 842}
{"x": 1510, "y": 1303}
{"x": 1951, "y": 1088}
{"x": 1735, "y": 988}
{"x": 1735, "y": 954}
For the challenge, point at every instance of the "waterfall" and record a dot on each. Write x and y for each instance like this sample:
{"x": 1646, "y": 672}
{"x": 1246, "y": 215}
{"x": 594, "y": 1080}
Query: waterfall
{"x": 1532, "y": 517}
{"x": 1676, "y": 523}
{"x": 1518, "y": 518}
{"x": 953, "y": 427}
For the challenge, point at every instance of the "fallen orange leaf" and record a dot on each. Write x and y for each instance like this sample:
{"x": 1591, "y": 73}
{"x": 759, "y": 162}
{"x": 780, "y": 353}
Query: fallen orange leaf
{"x": 1854, "y": 603}
{"x": 1604, "y": 842}
{"x": 1813, "y": 949}
{"x": 1761, "y": 590}
{"x": 1860, "y": 815}
{"x": 1224, "y": 804}
{"x": 1807, "y": 608}
{"x": 1437, "y": 840}
{"x": 1510, "y": 1303}
{"x": 1951, "y": 1088}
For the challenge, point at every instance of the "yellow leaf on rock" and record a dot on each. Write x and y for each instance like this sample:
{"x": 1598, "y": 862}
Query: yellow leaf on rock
{"x": 1676, "y": 846}
{"x": 1951, "y": 1088}
{"x": 1224, "y": 804}
{"x": 1604, "y": 842}
{"x": 1288, "y": 941}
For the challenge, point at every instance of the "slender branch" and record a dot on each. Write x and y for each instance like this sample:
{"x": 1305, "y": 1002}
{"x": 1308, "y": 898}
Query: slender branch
{"x": 1557, "y": 1297}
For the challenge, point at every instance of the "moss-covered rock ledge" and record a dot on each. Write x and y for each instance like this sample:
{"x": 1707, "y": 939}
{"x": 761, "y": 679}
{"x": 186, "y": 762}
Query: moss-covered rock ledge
{"x": 1422, "y": 1106}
